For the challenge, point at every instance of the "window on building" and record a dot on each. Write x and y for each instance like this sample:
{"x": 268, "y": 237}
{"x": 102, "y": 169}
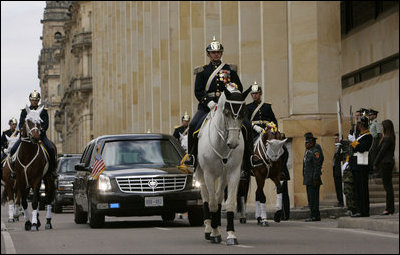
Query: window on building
{"x": 59, "y": 90}
{"x": 368, "y": 72}
{"x": 355, "y": 13}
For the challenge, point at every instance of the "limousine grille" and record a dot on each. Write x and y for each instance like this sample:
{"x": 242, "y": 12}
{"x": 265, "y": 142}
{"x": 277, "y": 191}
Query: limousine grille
{"x": 151, "y": 184}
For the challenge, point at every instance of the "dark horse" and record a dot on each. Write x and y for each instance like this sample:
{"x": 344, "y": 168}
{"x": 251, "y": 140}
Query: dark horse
{"x": 9, "y": 192}
{"x": 31, "y": 166}
{"x": 269, "y": 148}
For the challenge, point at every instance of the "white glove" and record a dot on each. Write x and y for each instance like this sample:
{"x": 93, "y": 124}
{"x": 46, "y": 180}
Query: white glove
{"x": 351, "y": 138}
{"x": 258, "y": 128}
{"x": 211, "y": 104}
{"x": 344, "y": 166}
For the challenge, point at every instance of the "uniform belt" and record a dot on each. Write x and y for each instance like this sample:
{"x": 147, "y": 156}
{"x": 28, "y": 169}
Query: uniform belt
{"x": 214, "y": 94}
{"x": 259, "y": 122}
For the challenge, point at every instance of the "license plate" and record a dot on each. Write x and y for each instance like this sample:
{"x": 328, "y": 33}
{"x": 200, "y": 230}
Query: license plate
{"x": 153, "y": 201}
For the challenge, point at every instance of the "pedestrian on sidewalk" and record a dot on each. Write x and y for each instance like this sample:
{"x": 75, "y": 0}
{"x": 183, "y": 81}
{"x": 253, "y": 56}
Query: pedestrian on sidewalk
{"x": 384, "y": 162}
{"x": 312, "y": 176}
{"x": 338, "y": 157}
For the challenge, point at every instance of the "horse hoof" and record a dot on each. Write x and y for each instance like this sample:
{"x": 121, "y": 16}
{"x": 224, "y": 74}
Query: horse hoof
{"x": 48, "y": 226}
{"x": 265, "y": 224}
{"x": 207, "y": 236}
{"x": 231, "y": 241}
{"x": 215, "y": 239}
{"x": 34, "y": 227}
{"x": 28, "y": 225}
{"x": 16, "y": 218}
{"x": 259, "y": 220}
{"x": 243, "y": 220}
{"x": 11, "y": 220}
{"x": 278, "y": 216}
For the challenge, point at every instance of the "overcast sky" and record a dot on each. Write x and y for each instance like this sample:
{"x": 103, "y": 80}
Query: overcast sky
{"x": 20, "y": 49}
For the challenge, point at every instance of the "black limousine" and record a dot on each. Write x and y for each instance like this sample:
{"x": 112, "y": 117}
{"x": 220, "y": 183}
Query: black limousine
{"x": 141, "y": 178}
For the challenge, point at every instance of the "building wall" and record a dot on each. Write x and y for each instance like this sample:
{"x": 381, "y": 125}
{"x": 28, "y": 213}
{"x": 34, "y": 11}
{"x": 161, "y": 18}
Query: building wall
{"x": 142, "y": 54}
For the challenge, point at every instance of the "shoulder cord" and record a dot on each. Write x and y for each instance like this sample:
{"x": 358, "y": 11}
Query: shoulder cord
{"x": 213, "y": 75}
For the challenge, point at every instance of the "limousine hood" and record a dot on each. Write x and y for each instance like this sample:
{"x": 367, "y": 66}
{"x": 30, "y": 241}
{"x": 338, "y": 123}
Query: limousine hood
{"x": 118, "y": 172}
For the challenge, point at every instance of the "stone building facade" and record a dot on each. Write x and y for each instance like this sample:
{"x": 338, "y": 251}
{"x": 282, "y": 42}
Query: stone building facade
{"x": 127, "y": 67}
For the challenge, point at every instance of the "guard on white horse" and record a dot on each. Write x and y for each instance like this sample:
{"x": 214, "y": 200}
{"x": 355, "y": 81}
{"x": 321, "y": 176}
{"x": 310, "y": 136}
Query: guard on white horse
{"x": 220, "y": 154}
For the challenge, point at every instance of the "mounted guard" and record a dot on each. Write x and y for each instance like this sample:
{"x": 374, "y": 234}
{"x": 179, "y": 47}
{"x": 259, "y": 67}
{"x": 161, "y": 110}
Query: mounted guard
{"x": 34, "y": 99}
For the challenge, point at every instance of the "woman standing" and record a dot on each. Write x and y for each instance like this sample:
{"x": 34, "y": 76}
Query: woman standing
{"x": 384, "y": 161}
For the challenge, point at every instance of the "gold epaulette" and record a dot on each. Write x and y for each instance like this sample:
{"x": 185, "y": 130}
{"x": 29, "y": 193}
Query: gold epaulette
{"x": 175, "y": 127}
{"x": 233, "y": 67}
{"x": 198, "y": 69}
{"x": 355, "y": 143}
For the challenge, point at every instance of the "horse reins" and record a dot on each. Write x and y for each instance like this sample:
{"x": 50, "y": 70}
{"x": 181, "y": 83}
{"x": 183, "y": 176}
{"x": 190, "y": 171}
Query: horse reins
{"x": 264, "y": 150}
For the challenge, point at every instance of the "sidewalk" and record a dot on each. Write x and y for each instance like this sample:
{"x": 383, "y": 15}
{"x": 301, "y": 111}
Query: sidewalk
{"x": 375, "y": 222}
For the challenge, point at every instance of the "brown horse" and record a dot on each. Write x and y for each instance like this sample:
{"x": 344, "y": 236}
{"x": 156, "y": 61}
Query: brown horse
{"x": 31, "y": 166}
{"x": 9, "y": 192}
{"x": 269, "y": 148}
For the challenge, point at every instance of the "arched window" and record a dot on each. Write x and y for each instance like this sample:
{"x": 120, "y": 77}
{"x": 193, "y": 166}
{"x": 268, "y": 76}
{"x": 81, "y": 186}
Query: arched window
{"x": 57, "y": 35}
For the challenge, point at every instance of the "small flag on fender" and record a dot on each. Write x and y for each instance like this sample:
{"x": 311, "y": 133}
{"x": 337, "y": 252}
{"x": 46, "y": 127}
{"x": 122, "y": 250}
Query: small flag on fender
{"x": 98, "y": 166}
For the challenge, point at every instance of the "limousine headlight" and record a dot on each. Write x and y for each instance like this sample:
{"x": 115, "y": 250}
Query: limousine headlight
{"x": 104, "y": 183}
{"x": 196, "y": 184}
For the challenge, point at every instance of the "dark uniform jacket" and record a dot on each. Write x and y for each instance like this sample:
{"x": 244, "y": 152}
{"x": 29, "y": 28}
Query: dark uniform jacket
{"x": 312, "y": 167}
{"x": 4, "y": 141}
{"x": 179, "y": 130}
{"x": 285, "y": 171}
{"x": 265, "y": 113}
{"x": 216, "y": 86}
{"x": 43, "y": 115}
{"x": 385, "y": 151}
{"x": 363, "y": 144}
{"x": 338, "y": 157}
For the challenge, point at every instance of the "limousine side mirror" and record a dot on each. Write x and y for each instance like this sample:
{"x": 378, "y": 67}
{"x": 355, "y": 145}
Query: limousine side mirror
{"x": 80, "y": 167}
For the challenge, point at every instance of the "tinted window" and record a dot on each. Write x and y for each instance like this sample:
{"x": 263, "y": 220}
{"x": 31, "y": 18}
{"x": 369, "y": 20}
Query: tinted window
{"x": 142, "y": 152}
{"x": 67, "y": 165}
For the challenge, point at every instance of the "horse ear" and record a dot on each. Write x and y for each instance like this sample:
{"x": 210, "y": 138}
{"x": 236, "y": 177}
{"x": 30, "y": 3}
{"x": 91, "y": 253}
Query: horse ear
{"x": 246, "y": 93}
{"x": 284, "y": 141}
{"x": 27, "y": 109}
{"x": 227, "y": 92}
{"x": 40, "y": 109}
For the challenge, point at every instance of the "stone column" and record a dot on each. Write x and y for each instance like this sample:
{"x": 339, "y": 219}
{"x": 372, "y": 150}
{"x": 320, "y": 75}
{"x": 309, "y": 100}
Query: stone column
{"x": 314, "y": 86}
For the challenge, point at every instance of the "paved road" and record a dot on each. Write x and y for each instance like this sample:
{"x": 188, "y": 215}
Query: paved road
{"x": 151, "y": 235}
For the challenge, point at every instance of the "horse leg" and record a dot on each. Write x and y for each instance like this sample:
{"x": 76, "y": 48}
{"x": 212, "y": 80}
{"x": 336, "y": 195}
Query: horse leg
{"x": 35, "y": 204}
{"x": 260, "y": 197}
{"x": 278, "y": 213}
{"x": 11, "y": 211}
{"x": 233, "y": 182}
{"x": 215, "y": 236}
{"x": 204, "y": 197}
{"x": 28, "y": 224}
{"x": 50, "y": 192}
{"x": 241, "y": 199}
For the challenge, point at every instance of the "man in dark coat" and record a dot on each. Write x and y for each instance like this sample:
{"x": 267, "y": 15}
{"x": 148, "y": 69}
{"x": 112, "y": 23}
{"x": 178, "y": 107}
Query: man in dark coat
{"x": 34, "y": 99}
{"x": 360, "y": 167}
{"x": 312, "y": 177}
{"x": 285, "y": 177}
{"x": 210, "y": 82}
{"x": 181, "y": 129}
{"x": 338, "y": 157}
{"x": 259, "y": 113}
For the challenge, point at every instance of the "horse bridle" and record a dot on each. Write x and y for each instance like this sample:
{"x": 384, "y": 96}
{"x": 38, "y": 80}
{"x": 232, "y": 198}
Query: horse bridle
{"x": 29, "y": 130}
{"x": 220, "y": 132}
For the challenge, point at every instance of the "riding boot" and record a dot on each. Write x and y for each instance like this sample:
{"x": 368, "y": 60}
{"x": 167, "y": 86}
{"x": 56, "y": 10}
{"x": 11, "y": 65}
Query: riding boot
{"x": 192, "y": 148}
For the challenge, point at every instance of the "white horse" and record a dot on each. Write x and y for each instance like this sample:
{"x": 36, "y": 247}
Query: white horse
{"x": 220, "y": 154}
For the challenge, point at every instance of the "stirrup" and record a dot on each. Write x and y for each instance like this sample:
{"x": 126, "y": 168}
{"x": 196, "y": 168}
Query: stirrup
{"x": 257, "y": 163}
